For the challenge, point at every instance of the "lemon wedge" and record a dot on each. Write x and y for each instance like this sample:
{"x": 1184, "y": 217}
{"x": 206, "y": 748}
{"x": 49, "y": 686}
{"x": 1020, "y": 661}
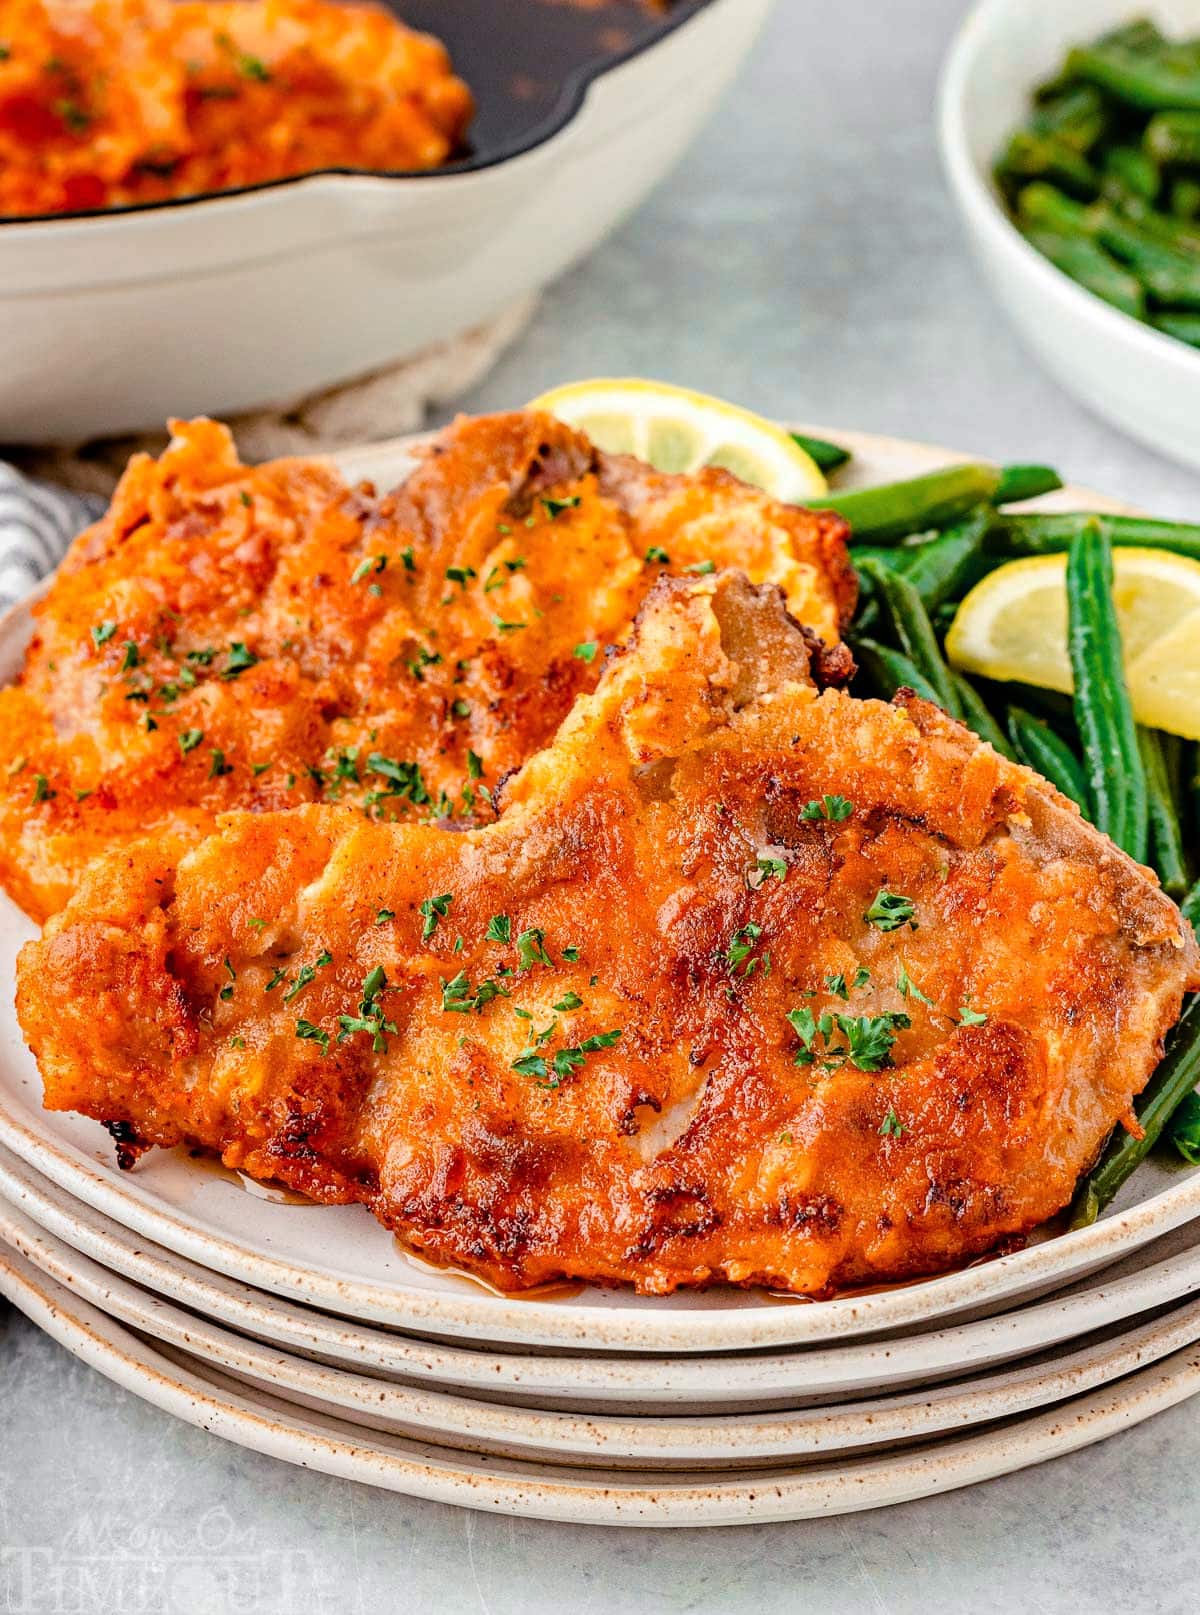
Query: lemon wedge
{"x": 1013, "y": 625}
{"x": 674, "y": 429}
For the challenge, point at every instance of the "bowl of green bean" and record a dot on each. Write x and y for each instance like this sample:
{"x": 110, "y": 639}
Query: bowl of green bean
{"x": 1070, "y": 134}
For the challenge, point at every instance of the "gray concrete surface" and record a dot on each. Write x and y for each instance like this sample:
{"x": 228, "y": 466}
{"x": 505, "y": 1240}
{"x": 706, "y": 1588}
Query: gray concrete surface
{"x": 805, "y": 260}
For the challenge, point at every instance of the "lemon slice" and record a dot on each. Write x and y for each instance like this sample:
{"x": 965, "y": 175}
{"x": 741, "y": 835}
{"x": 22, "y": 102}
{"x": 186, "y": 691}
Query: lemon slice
{"x": 1013, "y": 625}
{"x": 677, "y": 430}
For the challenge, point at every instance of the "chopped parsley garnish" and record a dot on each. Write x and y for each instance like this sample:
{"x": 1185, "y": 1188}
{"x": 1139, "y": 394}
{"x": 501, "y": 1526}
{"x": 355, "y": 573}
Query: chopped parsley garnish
{"x": 474, "y": 765}
{"x": 971, "y": 1017}
{"x": 313, "y": 1034}
{"x": 238, "y": 660}
{"x": 740, "y": 952}
{"x": 307, "y": 974}
{"x": 889, "y": 911}
{"x": 766, "y": 867}
{"x": 257, "y": 924}
{"x": 702, "y": 569}
{"x": 565, "y": 1061}
{"x": 202, "y": 657}
{"x": 868, "y": 1038}
{"x": 836, "y": 808}
{"x": 423, "y": 659}
{"x": 531, "y": 949}
{"x": 586, "y": 652}
{"x": 499, "y": 929}
{"x": 568, "y": 1001}
{"x": 460, "y": 998}
{"x": 102, "y": 633}
{"x": 405, "y": 779}
{"x": 41, "y": 789}
{"x": 245, "y": 498}
{"x": 837, "y": 984}
{"x": 279, "y": 975}
{"x": 226, "y": 992}
{"x": 218, "y": 765}
{"x": 73, "y": 115}
{"x": 908, "y": 988}
{"x": 503, "y": 627}
{"x": 131, "y": 658}
{"x": 237, "y": 1042}
{"x": 461, "y": 575}
{"x": 190, "y": 739}
{"x": 461, "y": 709}
{"x": 432, "y": 910}
{"x": 384, "y": 915}
{"x": 368, "y": 565}
{"x": 654, "y": 553}
{"x": 555, "y": 507}
{"x": 370, "y": 1017}
{"x": 571, "y": 954}
{"x": 253, "y": 67}
{"x": 890, "y": 1126}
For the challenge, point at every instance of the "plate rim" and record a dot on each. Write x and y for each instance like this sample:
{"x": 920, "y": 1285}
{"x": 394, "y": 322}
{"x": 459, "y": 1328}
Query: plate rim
{"x": 54, "y": 1211}
{"x": 592, "y": 1497}
{"x": 713, "y": 1440}
{"x": 485, "y": 1317}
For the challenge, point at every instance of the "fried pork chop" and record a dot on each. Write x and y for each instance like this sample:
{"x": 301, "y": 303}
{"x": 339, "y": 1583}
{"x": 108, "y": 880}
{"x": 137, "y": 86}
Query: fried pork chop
{"x": 235, "y": 637}
{"x": 750, "y": 981}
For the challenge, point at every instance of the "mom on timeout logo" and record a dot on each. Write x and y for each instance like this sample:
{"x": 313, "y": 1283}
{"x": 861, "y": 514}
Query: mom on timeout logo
{"x": 209, "y": 1566}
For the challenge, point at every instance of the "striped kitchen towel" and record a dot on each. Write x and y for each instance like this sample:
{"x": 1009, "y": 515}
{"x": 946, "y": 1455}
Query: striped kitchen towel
{"x": 37, "y": 522}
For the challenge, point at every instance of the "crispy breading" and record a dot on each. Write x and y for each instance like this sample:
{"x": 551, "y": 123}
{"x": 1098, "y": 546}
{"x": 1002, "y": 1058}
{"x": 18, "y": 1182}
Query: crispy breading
{"x": 236, "y": 637}
{"x": 112, "y": 102}
{"x": 749, "y": 982}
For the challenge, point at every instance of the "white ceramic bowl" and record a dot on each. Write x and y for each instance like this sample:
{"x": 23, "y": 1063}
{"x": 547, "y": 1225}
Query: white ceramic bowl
{"x": 110, "y": 323}
{"x": 1145, "y": 382}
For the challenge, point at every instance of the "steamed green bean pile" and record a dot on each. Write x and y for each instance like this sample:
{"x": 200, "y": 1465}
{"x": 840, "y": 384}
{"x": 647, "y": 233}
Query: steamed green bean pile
{"x": 919, "y": 547}
{"x": 1104, "y": 177}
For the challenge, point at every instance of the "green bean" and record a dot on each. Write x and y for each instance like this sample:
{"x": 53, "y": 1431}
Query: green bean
{"x": 1112, "y": 759}
{"x": 1184, "y": 198}
{"x": 1173, "y": 137}
{"x": 976, "y": 716}
{"x": 1048, "y": 754}
{"x": 945, "y": 568}
{"x": 1170, "y": 1085}
{"x": 1033, "y": 156}
{"x": 892, "y": 511}
{"x": 1078, "y": 116}
{"x": 1166, "y": 836}
{"x": 1169, "y": 273}
{"x": 912, "y": 627}
{"x": 1021, "y": 482}
{"x": 1051, "y": 533}
{"x": 1183, "y": 327}
{"x": 827, "y": 456}
{"x": 1086, "y": 261}
{"x": 1132, "y": 170}
{"x": 890, "y": 670}
{"x": 1149, "y": 79}
{"x": 1190, "y": 907}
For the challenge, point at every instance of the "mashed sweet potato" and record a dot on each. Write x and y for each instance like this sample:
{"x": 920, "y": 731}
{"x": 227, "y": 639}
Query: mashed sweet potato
{"x": 118, "y": 101}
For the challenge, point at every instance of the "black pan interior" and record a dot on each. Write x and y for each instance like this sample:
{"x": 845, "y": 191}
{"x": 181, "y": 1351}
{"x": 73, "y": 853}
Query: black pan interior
{"x": 529, "y": 62}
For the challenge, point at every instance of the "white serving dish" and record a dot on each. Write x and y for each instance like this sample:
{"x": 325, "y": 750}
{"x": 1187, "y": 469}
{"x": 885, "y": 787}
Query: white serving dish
{"x": 624, "y": 1438}
{"x": 113, "y": 322}
{"x": 1153, "y": 1277}
{"x": 203, "y": 1396}
{"x": 1144, "y": 382}
{"x": 340, "y": 1259}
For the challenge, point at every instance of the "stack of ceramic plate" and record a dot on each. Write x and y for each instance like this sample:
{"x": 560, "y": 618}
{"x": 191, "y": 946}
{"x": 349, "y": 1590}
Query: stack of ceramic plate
{"x": 308, "y": 1333}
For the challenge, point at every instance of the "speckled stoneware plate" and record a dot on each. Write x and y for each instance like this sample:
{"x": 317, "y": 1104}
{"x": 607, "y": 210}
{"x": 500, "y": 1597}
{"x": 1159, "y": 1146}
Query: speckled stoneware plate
{"x": 625, "y": 1440}
{"x": 210, "y": 1400}
{"x": 1154, "y": 1276}
{"x": 341, "y": 1259}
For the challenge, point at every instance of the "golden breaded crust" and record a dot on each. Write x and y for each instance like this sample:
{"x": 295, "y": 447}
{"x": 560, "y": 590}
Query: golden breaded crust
{"x": 748, "y": 982}
{"x": 235, "y": 637}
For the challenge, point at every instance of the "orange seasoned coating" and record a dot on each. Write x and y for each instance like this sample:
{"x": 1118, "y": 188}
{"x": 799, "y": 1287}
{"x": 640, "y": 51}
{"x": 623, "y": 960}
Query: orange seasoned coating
{"x": 237, "y": 637}
{"x": 749, "y": 982}
{"x": 109, "y": 102}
